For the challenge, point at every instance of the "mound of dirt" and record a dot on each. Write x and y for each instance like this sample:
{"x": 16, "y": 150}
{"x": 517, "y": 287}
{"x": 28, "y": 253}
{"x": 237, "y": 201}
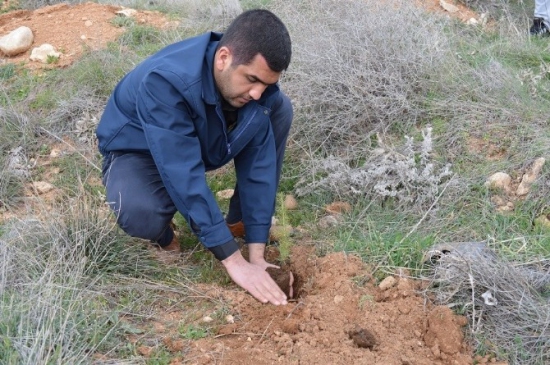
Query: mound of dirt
{"x": 72, "y": 29}
{"x": 335, "y": 318}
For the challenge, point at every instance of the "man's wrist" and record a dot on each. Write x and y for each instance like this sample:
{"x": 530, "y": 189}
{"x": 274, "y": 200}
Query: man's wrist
{"x": 256, "y": 251}
{"x": 233, "y": 260}
{"x": 224, "y": 251}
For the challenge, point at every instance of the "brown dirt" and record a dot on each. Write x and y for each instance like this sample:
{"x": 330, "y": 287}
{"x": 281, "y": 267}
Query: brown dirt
{"x": 338, "y": 316}
{"x": 71, "y": 29}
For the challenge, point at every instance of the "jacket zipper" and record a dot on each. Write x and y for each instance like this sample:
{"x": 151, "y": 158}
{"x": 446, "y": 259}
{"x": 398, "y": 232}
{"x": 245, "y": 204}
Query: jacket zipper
{"x": 222, "y": 119}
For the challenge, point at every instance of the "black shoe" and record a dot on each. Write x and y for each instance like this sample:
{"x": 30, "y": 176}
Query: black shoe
{"x": 539, "y": 28}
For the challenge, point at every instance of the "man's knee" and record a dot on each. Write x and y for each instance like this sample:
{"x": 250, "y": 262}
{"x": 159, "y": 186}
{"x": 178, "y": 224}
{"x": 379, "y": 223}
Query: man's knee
{"x": 138, "y": 219}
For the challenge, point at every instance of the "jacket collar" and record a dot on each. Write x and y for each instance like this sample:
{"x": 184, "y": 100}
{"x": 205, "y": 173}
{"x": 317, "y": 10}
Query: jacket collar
{"x": 210, "y": 93}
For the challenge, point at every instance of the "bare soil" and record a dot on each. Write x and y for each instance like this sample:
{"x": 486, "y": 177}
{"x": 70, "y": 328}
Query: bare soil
{"x": 339, "y": 315}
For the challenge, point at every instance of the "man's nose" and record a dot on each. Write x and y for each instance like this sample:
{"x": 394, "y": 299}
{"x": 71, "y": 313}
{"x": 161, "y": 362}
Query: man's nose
{"x": 257, "y": 91}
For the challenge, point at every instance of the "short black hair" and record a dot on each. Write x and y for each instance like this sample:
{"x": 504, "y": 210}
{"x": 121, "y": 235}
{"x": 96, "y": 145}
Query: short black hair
{"x": 258, "y": 31}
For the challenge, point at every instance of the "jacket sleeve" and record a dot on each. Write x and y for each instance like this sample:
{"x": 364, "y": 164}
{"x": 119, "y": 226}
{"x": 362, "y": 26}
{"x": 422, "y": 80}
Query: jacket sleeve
{"x": 255, "y": 166}
{"x": 168, "y": 126}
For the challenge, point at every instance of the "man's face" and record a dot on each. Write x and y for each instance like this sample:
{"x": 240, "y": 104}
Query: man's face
{"x": 238, "y": 85}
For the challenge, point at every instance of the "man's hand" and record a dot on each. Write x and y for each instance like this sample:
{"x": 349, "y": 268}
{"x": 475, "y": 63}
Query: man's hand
{"x": 252, "y": 276}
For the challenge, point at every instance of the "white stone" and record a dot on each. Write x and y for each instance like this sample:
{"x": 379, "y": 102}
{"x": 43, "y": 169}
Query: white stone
{"x": 225, "y": 194}
{"x": 229, "y": 319}
{"x": 128, "y": 13}
{"x": 55, "y": 152}
{"x": 207, "y": 319}
{"x": 529, "y": 177}
{"x": 17, "y": 41}
{"x": 448, "y": 7}
{"x": 42, "y": 187}
{"x": 499, "y": 180}
{"x": 43, "y": 52}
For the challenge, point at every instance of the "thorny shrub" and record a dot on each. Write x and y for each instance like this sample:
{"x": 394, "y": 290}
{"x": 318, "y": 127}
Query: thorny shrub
{"x": 410, "y": 177}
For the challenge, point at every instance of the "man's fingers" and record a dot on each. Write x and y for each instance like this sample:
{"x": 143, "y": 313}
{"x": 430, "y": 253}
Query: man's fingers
{"x": 271, "y": 265}
{"x": 270, "y": 290}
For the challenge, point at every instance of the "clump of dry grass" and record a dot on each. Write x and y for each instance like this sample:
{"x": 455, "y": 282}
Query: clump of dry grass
{"x": 506, "y": 303}
{"x": 48, "y": 268}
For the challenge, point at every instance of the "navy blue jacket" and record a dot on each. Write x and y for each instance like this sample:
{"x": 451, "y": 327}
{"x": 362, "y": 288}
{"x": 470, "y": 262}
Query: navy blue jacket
{"x": 169, "y": 106}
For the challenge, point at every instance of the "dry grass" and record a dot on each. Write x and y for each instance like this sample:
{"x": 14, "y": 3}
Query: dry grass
{"x": 507, "y": 303}
{"x": 358, "y": 68}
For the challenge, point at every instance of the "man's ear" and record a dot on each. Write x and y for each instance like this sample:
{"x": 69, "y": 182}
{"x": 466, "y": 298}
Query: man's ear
{"x": 223, "y": 58}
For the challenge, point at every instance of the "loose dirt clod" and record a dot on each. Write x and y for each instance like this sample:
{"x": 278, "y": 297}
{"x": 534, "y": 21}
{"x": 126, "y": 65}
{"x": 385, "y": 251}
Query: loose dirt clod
{"x": 363, "y": 338}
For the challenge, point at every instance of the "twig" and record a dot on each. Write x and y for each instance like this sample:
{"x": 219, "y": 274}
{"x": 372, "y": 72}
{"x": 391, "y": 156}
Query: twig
{"x": 472, "y": 285}
{"x": 263, "y": 334}
{"x": 293, "y": 309}
{"x": 65, "y": 142}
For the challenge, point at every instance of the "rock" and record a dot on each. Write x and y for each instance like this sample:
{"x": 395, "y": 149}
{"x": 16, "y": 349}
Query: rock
{"x": 42, "y": 187}
{"x": 543, "y": 221}
{"x": 128, "y": 13}
{"x": 55, "y": 152}
{"x": 529, "y": 177}
{"x": 229, "y": 318}
{"x": 499, "y": 180}
{"x": 387, "y": 283}
{"x": 43, "y": 52}
{"x": 448, "y": 7}
{"x": 225, "y": 194}
{"x": 207, "y": 319}
{"x": 363, "y": 338}
{"x": 290, "y": 202}
{"x": 17, "y": 41}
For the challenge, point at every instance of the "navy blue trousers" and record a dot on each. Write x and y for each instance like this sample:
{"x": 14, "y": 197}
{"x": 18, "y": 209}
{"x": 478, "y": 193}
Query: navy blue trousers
{"x": 137, "y": 195}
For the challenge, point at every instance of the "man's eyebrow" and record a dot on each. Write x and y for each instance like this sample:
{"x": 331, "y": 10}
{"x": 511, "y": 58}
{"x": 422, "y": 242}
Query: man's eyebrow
{"x": 255, "y": 78}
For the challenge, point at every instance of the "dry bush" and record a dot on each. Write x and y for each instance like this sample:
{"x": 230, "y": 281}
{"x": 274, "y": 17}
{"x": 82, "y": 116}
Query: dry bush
{"x": 411, "y": 176}
{"x": 504, "y": 301}
{"x": 357, "y": 68}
